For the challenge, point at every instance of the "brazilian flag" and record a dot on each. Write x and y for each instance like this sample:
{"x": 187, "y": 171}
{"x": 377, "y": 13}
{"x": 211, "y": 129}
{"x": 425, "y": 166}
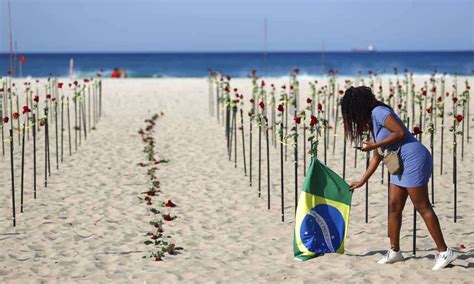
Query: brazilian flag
{"x": 322, "y": 216}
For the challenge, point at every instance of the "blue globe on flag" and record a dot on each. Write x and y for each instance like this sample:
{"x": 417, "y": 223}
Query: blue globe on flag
{"x": 322, "y": 215}
{"x": 322, "y": 229}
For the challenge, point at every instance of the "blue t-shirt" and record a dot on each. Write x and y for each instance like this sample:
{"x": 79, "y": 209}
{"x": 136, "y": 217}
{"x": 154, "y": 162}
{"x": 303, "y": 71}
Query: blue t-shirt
{"x": 379, "y": 115}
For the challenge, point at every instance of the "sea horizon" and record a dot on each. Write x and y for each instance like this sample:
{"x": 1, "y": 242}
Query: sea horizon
{"x": 180, "y": 64}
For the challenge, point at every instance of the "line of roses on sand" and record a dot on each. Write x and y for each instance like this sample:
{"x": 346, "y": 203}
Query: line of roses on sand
{"x": 157, "y": 238}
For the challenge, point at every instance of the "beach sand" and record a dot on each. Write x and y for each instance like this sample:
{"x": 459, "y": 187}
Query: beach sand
{"x": 88, "y": 224}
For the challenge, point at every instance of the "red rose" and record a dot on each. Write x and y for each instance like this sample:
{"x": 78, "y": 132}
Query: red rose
{"x": 462, "y": 246}
{"x": 254, "y": 72}
{"x": 309, "y": 100}
{"x": 261, "y": 105}
{"x": 423, "y": 93}
{"x": 273, "y": 86}
{"x": 228, "y": 78}
{"x": 154, "y": 237}
{"x": 399, "y": 106}
{"x": 262, "y": 84}
{"x": 429, "y": 109}
{"x": 252, "y": 101}
{"x": 5, "y": 119}
{"x": 291, "y": 87}
{"x": 15, "y": 115}
{"x": 75, "y": 83}
{"x": 227, "y": 89}
{"x": 459, "y": 118}
{"x": 417, "y": 130}
{"x": 433, "y": 90}
{"x": 167, "y": 217}
{"x": 447, "y": 94}
{"x": 235, "y": 90}
{"x": 297, "y": 119}
{"x": 86, "y": 80}
{"x": 48, "y": 96}
{"x": 390, "y": 96}
{"x": 158, "y": 258}
{"x": 440, "y": 99}
{"x": 150, "y": 193}
{"x": 341, "y": 92}
{"x": 170, "y": 203}
{"x": 280, "y": 108}
{"x": 60, "y": 85}
{"x": 314, "y": 120}
{"x": 26, "y": 109}
{"x": 283, "y": 87}
{"x": 455, "y": 100}
{"x": 250, "y": 113}
{"x": 241, "y": 97}
{"x": 320, "y": 107}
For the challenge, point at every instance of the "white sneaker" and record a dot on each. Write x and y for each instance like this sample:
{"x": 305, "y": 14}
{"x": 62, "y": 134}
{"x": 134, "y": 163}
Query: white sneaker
{"x": 391, "y": 257}
{"x": 443, "y": 259}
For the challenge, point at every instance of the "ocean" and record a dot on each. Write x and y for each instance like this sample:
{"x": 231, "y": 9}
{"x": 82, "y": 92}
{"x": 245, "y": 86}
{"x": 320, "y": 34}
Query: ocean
{"x": 240, "y": 64}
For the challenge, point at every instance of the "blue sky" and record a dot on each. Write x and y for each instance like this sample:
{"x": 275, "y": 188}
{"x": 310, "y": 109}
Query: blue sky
{"x": 237, "y": 25}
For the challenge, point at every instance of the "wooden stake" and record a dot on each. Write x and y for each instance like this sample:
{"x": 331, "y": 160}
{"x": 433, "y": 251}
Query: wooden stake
{"x": 282, "y": 178}
{"x": 22, "y": 166}
{"x": 243, "y": 140}
{"x": 268, "y": 163}
{"x": 62, "y": 129}
{"x": 56, "y": 132}
{"x": 250, "y": 150}
{"x": 69, "y": 127}
{"x": 34, "y": 156}
{"x": 367, "y": 161}
{"x": 234, "y": 119}
{"x": 12, "y": 177}
{"x": 259, "y": 157}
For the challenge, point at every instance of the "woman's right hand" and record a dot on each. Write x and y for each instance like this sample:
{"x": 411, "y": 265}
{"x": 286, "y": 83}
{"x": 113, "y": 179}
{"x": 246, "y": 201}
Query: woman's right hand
{"x": 357, "y": 184}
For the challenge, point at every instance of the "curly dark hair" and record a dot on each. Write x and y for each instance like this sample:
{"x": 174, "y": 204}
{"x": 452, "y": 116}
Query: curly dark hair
{"x": 356, "y": 106}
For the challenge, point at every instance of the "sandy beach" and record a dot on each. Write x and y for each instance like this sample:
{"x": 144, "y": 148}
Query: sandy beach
{"x": 89, "y": 225}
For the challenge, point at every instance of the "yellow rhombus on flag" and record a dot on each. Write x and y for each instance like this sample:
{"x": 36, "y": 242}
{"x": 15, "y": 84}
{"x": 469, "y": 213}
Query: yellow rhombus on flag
{"x": 322, "y": 216}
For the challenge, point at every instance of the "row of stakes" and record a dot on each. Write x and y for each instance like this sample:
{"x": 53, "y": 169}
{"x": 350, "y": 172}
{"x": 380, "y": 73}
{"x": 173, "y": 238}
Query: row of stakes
{"x": 45, "y": 105}
{"x": 321, "y": 114}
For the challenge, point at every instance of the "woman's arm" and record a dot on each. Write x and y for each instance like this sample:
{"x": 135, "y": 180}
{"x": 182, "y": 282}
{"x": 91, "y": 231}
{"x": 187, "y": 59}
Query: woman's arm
{"x": 397, "y": 134}
{"x": 374, "y": 163}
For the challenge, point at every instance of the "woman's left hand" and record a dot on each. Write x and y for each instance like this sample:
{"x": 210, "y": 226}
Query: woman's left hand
{"x": 368, "y": 146}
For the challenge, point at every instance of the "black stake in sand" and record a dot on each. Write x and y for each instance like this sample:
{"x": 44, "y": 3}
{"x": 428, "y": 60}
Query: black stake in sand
{"x": 367, "y": 161}
{"x": 282, "y": 178}
{"x": 62, "y": 129}
{"x": 69, "y": 127}
{"x": 234, "y": 114}
{"x": 56, "y": 133}
{"x": 268, "y": 163}
{"x": 12, "y": 177}
{"x": 34, "y": 156}
{"x": 259, "y": 156}
{"x": 243, "y": 140}
{"x": 250, "y": 151}
{"x": 22, "y": 166}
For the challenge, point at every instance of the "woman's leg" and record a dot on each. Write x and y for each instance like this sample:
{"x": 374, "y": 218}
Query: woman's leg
{"x": 397, "y": 196}
{"x": 419, "y": 197}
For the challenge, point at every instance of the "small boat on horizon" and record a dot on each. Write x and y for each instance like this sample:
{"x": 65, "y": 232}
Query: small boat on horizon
{"x": 370, "y": 48}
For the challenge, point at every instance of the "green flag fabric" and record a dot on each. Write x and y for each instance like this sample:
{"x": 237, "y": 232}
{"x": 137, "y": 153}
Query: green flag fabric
{"x": 322, "y": 216}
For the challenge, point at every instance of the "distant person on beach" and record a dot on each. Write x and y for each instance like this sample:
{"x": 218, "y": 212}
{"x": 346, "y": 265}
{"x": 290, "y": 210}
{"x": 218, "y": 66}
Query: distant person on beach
{"x": 363, "y": 113}
{"x": 115, "y": 73}
{"x": 123, "y": 73}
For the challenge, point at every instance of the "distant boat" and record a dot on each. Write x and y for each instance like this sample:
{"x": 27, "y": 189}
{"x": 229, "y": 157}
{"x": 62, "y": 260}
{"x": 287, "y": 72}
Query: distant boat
{"x": 370, "y": 48}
